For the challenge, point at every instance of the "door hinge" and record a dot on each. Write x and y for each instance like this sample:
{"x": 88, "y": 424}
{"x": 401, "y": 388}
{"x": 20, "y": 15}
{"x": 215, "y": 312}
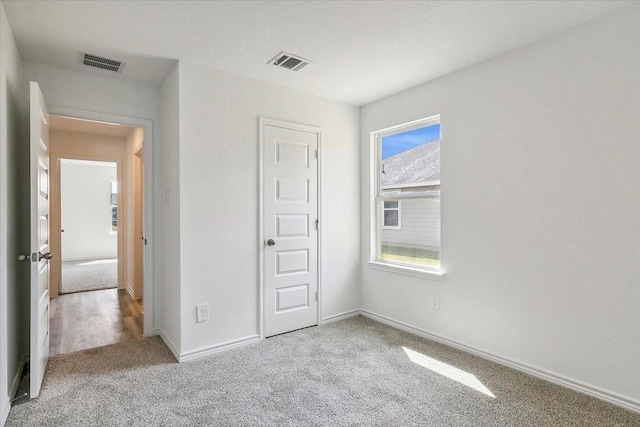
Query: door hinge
{"x": 317, "y": 224}
{"x": 316, "y": 296}
{"x": 316, "y": 154}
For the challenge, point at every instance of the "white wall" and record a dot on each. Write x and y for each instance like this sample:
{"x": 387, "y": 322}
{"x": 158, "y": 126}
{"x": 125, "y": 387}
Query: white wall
{"x": 167, "y": 216}
{"x": 540, "y": 207}
{"x": 75, "y": 90}
{"x": 219, "y": 200}
{"x": 13, "y": 239}
{"x": 86, "y": 210}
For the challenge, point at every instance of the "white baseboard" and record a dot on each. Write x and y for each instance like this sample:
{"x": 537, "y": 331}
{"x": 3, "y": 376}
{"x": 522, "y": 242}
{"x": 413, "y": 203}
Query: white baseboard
{"x": 341, "y": 316}
{"x": 172, "y": 348}
{"x": 608, "y": 396}
{"x": 16, "y": 378}
{"x": 205, "y": 351}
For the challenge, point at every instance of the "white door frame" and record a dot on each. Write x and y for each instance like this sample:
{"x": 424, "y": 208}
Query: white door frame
{"x": 4, "y": 257}
{"x": 262, "y": 122}
{"x": 147, "y": 145}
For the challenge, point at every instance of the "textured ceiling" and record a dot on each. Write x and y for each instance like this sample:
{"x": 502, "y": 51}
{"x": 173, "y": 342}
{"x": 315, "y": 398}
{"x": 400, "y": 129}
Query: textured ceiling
{"x": 362, "y": 50}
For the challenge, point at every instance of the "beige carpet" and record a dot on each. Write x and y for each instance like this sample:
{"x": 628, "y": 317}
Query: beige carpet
{"x": 356, "y": 372}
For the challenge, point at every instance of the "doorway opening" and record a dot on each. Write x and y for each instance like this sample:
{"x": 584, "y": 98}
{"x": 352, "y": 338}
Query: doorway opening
{"x": 97, "y": 223}
{"x": 89, "y": 225}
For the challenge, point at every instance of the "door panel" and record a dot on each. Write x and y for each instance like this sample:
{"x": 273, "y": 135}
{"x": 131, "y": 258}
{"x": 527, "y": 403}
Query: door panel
{"x": 293, "y": 297}
{"x": 39, "y": 165}
{"x": 290, "y": 209}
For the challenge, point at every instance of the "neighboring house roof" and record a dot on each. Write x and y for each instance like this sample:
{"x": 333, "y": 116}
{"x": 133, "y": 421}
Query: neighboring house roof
{"x": 420, "y": 164}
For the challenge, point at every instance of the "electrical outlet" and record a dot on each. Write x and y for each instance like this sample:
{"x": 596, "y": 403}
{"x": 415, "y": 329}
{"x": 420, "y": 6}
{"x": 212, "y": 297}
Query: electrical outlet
{"x": 202, "y": 312}
{"x": 435, "y": 302}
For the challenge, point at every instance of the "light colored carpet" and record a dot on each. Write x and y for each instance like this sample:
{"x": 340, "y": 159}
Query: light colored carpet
{"x": 354, "y": 372}
{"x": 89, "y": 275}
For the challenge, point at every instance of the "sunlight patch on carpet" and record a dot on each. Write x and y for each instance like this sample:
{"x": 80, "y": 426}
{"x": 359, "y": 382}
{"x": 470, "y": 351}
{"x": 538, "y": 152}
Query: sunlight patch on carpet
{"x": 451, "y": 372}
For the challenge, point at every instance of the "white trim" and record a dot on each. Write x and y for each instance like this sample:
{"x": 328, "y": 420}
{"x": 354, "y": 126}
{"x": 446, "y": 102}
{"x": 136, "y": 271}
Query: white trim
{"x": 399, "y": 209}
{"x": 205, "y": 351}
{"x": 409, "y": 196}
{"x": 376, "y": 196}
{"x": 172, "y": 348}
{"x": 16, "y": 379}
{"x": 413, "y": 185}
{"x": 4, "y": 250}
{"x": 407, "y": 270}
{"x": 408, "y": 126}
{"x": 341, "y": 316}
{"x": 261, "y": 311}
{"x": 262, "y": 122}
{"x": 147, "y": 205}
{"x": 319, "y": 219}
{"x": 289, "y": 125}
{"x": 597, "y": 392}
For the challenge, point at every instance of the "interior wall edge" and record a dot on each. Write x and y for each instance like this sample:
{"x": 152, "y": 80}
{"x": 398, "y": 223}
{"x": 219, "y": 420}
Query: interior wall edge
{"x": 165, "y": 338}
{"x": 16, "y": 379}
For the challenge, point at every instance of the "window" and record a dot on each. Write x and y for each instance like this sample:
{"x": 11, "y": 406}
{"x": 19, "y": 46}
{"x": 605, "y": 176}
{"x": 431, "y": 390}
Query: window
{"x": 114, "y": 207}
{"x": 407, "y": 195}
{"x": 391, "y": 214}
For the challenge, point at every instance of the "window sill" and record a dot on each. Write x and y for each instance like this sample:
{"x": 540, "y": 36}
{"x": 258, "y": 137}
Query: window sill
{"x": 408, "y": 271}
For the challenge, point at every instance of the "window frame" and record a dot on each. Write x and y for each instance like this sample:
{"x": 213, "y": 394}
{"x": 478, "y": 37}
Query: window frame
{"x": 379, "y": 196}
{"x": 114, "y": 182}
{"x": 399, "y": 209}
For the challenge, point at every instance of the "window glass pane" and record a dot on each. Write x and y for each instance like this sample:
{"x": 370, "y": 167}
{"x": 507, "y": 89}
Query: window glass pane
{"x": 114, "y": 219}
{"x": 391, "y": 218}
{"x": 410, "y": 160}
{"x": 418, "y": 241}
{"x": 391, "y": 205}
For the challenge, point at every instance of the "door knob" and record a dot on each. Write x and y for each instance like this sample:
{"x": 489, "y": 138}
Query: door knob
{"x": 271, "y": 242}
{"x": 47, "y": 255}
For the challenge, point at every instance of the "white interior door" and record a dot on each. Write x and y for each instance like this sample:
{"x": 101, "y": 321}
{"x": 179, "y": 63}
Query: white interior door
{"x": 290, "y": 228}
{"x": 40, "y": 255}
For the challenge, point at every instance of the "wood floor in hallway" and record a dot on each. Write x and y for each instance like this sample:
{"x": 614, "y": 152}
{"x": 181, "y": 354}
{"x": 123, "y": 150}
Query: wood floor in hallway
{"x": 92, "y": 319}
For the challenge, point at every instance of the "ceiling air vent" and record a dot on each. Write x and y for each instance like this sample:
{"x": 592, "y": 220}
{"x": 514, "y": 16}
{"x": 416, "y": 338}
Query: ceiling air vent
{"x": 289, "y": 61}
{"x": 100, "y": 62}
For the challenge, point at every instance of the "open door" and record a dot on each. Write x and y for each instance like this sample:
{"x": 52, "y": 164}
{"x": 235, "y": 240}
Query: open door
{"x": 40, "y": 255}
